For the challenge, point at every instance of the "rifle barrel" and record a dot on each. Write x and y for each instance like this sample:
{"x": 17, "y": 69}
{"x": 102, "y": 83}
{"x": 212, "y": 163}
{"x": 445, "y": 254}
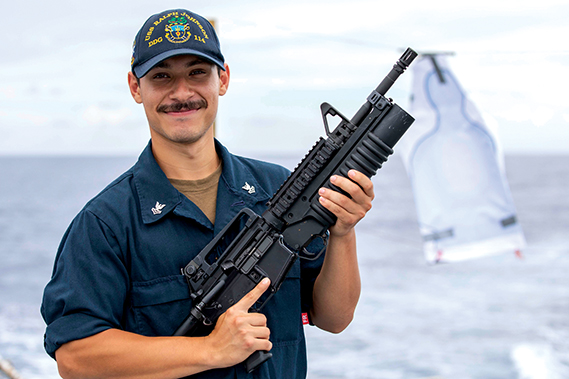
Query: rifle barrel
{"x": 398, "y": 68}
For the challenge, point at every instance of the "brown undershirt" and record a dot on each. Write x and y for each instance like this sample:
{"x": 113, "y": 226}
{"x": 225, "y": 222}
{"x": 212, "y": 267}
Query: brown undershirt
{"x": 202, "y": 192}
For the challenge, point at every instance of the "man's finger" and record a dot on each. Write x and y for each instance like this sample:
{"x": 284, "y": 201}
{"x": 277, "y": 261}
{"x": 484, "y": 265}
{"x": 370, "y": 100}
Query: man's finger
{"x": 251, "y": 298}
{"x": 363, "y": 181}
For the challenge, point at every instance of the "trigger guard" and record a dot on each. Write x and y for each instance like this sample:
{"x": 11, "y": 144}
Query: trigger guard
{"x": 306, "y": 255}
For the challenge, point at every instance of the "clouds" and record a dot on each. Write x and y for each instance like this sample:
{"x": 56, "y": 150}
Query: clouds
{"x": 285, "y": 59}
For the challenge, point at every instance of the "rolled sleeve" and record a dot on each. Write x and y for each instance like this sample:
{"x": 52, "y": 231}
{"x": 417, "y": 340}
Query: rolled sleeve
{"x": 87, "y": 292}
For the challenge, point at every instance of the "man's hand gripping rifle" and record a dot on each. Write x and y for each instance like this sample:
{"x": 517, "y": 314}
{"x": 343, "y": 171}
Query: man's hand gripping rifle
{"x": 252, "y": 247}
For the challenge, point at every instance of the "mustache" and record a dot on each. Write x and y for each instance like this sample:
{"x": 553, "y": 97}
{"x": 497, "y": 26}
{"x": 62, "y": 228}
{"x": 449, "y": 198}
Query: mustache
{"x": 184, "y": 106}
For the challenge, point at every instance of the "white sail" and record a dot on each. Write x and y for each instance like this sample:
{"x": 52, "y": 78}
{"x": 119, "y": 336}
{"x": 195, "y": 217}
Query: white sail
{"x": 464, "y": 205}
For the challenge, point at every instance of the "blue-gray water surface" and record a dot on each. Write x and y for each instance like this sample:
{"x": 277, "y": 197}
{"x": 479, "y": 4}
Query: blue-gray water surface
{"x": 501, "y": 317}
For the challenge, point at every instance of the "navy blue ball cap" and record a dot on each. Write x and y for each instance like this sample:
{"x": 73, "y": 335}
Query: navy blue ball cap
{"x": 171, "y": 33}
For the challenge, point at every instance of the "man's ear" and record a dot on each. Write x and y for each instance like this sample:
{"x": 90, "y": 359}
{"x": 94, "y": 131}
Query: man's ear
{"x": 224, "y": 80}
{"x": 134, "y": 86}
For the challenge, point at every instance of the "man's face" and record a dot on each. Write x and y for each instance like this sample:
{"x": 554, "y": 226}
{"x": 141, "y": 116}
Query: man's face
{"x": 180, "y": 97}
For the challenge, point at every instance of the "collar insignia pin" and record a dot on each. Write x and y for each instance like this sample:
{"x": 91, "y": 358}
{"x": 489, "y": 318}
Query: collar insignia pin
{"x": 249, "y": 188}
{"x": 158, "y": 208}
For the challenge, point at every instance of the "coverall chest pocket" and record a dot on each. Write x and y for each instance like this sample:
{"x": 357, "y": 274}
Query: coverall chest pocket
{"x": 159, "y": 305}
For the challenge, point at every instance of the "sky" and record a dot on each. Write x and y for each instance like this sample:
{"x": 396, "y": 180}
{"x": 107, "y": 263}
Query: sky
{"x": 63, "y": 72}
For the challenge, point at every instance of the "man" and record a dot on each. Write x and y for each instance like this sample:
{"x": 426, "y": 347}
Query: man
{"x": 116, "y": 294}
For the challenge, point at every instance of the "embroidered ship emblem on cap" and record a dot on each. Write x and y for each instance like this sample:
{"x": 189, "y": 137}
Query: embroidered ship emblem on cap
{"x": 178, "y": 30}
{"x": 158, "y": 208}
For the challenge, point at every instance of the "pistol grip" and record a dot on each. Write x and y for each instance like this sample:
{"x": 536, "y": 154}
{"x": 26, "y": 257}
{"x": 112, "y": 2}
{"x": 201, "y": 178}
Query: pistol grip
{"x": 256, "y": 359}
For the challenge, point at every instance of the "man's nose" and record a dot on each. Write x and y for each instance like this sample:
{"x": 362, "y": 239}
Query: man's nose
{"x": 182, "y": 90}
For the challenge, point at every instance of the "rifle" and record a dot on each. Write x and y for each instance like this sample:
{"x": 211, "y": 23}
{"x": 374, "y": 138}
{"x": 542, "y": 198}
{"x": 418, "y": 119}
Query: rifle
{"x": 251, "y": 247}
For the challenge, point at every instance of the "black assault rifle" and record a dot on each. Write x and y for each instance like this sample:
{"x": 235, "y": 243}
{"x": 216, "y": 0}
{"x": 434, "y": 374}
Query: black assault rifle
{"x": 252, "y": 247}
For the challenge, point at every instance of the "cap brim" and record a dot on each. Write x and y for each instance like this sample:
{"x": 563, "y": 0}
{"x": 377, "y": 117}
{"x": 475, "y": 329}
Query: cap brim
{"x": 142, "y": 69}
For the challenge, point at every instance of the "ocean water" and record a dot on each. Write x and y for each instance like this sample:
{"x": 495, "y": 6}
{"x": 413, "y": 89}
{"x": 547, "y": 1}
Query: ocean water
{"x": 501, "y": 317}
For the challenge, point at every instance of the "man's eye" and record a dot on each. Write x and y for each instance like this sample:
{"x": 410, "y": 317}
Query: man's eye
{"x": 160, "y": 76}
{"x": 197, "y": 72}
